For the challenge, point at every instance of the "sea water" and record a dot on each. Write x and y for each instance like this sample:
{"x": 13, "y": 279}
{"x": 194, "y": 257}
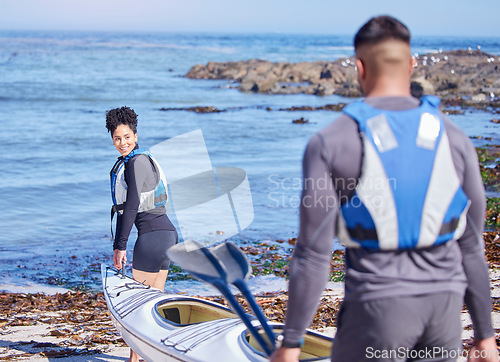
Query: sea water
{"x": 55, "y": 88}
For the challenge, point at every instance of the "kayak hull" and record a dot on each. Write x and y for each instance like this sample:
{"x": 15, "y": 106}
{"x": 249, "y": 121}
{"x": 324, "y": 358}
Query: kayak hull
{"x": 168, "y": 327}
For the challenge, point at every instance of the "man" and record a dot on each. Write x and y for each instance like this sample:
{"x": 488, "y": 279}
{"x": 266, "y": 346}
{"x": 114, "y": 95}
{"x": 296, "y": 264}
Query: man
{"x": 402, "y": 179}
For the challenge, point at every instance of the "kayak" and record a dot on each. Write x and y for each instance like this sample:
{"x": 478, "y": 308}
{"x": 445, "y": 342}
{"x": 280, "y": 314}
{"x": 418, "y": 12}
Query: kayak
{"x": 170, "y": 327}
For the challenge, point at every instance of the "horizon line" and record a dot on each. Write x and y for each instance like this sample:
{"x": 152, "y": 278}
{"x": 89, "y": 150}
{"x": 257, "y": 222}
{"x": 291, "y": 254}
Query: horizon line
{"x": 232, "y": 32}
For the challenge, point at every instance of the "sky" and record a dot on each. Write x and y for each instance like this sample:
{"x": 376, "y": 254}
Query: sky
{"x": 423, "y": 17}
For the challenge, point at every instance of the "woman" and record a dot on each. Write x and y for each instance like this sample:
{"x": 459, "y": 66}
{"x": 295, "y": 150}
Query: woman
{"x": 139, "y": 195}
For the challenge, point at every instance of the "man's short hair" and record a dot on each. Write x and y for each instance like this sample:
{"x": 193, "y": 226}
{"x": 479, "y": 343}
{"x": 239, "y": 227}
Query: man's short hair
{"x": 379, "y": 29}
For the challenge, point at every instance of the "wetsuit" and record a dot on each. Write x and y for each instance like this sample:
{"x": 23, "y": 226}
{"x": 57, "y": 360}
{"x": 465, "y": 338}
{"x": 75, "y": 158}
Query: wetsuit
{"x": 156, "y": 233}
{"x": 378, "y": 285}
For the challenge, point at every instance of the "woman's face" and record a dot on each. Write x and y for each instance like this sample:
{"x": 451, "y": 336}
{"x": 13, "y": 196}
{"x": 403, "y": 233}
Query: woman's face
{"x": 124, "y": 139}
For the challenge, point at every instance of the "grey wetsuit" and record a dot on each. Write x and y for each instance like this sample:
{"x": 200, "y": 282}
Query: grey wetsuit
{"x": 453, "y": 268}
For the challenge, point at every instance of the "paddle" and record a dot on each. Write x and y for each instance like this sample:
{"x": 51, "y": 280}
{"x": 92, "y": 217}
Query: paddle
{"x": 238, "y": 271}
{"x": 203, "y": 264}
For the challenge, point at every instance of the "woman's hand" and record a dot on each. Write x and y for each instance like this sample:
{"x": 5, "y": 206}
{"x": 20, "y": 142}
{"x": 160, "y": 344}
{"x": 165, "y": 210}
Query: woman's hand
{"x": 118, "y": 257}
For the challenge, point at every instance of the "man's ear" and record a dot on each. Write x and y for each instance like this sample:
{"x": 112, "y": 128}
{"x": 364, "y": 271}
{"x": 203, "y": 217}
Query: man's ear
{"x": 413, "y": 65}
{"x": 361, "y": 69}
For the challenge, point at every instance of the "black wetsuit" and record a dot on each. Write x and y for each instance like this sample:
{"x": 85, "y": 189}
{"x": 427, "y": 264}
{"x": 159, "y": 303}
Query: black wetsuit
{"x": 156, "y": 233}
{"x": 371, "y": 276}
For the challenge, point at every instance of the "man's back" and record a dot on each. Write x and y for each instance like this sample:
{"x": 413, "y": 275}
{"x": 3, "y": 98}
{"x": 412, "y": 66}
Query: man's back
{"x": 409, "y": 299}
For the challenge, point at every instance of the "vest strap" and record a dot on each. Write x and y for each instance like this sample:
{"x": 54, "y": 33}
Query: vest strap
{"x": 361, "y": 234}
{"x": 449, "y": 227}
{"x": 115, "y": 209}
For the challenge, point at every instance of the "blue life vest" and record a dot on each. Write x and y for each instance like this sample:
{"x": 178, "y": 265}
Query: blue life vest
{"x": 408, "y": 195}
{"x": 149, "y": 200}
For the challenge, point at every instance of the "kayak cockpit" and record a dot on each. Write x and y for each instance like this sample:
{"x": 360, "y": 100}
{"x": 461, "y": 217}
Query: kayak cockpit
{"x": 315, "y": 348}
{"x": 186, "y": 311}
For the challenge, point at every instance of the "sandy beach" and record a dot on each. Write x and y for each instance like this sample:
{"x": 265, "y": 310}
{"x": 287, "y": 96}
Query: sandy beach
{"x": 75, "y": 326}
{"x": 51, "y": 336}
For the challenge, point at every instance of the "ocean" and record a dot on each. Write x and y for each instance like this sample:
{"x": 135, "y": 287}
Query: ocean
{"x": 55, "y": 88}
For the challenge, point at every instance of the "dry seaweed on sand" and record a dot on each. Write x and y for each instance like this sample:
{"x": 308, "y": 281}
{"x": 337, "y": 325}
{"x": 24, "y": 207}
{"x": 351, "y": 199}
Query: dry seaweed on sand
{"x": 274, "y": 307}
{"x": 492, "y": 248}
{"x": 76, "y": 324}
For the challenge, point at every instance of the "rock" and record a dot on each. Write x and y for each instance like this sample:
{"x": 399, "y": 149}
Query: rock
{"x": 454, "y": 111}
{"x": 453, "y": 102}
{"x": 248, "y": 86}
{"x": 258, "y": 78}
{"x": 267, "y": 83}
{"x": 308, "y": 72}
{"x": 349, "y": 90}
{"x": 420, "y": 84}
{"x": 301, "y": 120}
{"x": 324, "y": 89}
{"x": 416, "y": 89}
{"x": 320, "y": 78}
{"x": 458, "y": 74}
{"x": 325, "y": 74}
{"x": 448, "y": 85}
{"x": 333, "y": 107}
{"x": 302, "y": 108}
{"x": 329, "y": 107}
{"x": 198, "y": 109}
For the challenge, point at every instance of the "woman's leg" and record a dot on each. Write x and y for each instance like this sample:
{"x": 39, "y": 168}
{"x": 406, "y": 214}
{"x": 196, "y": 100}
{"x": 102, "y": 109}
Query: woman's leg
{"x": 150, "y": 256}
{"x": 150, "y": 263}
{"x": 134, "y": 357}
{"x": 161, "y": 279}
{"x": 155, "y": 280}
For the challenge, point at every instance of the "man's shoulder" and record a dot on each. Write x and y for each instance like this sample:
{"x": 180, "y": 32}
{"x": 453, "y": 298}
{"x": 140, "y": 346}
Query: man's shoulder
{"x": 336, "y": 131}
{"x": 341, "y": 135}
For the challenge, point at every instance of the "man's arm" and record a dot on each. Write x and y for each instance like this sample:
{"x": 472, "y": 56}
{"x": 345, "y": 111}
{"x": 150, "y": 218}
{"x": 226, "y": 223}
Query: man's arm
{"x": 310, "y": 265}
{"x": 477, "y": 295}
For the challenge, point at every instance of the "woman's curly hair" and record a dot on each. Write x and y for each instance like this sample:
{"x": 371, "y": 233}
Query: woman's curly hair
{"x": 118, "y": 116}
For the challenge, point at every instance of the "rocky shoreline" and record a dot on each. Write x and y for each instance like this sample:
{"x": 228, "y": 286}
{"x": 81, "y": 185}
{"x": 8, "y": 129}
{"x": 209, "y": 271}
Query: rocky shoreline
{"x": 459, "y": 77}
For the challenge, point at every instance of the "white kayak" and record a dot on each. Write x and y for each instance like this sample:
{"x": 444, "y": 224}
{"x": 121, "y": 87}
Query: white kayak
{"x": 170, "y": 327}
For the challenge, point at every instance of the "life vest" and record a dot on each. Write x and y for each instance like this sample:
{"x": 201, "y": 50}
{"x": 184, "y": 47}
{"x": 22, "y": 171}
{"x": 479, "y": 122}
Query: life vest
{"x": 149, "y": 200}
{"x": 409, "y": 194}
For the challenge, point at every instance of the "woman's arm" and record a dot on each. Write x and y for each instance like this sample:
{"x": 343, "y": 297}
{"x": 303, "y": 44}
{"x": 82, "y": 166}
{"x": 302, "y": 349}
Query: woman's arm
{"x": 136, "y": 171}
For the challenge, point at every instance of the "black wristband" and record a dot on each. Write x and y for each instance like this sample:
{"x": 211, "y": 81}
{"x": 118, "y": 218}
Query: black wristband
{"x": 287, "y": 344}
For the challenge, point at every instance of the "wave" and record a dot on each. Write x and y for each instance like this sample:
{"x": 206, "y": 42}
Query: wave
{"x": 340, "y": 47}
{"x": 86, "y": 43}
